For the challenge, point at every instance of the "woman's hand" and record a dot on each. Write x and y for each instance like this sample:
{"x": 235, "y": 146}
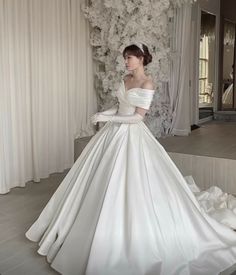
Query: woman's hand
{"x": 98, "y": 117}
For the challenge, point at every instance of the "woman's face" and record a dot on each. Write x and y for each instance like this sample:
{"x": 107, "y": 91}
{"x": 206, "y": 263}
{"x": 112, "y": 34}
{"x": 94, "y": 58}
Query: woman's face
{"x": 132, "y": 62}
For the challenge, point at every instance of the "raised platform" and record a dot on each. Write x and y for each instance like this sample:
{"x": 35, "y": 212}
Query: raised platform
{"x": 208, "y": 154}
{"x": 225, "y": 115}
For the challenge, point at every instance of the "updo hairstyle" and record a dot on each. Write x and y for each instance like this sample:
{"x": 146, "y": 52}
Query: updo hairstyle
{"x": 136, "y": 51}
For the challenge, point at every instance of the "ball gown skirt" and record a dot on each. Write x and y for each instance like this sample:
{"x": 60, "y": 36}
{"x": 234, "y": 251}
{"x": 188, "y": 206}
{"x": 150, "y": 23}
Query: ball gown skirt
{"x": 125, "y": 209}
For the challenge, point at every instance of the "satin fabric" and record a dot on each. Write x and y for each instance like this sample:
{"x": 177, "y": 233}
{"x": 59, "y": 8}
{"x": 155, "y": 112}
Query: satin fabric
{"x": 217, "y": 204}
{"x": 228, "y": 95}
{"x": 124, "y": 208}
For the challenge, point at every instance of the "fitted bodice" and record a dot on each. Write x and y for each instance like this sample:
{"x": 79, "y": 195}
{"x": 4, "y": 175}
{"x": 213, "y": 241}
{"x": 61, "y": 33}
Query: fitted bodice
{"x": 132, "y": 98}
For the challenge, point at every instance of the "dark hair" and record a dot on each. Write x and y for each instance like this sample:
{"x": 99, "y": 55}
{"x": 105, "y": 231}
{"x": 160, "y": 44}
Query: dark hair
{"x": 136, "y": 51}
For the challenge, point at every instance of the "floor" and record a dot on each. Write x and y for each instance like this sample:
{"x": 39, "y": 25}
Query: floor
{"x": 213, "y": 139}
{"x": 21, "y": 206}
{"x": 18, "y": 210}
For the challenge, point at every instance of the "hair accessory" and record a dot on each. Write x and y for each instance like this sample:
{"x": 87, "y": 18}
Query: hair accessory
{"x": 140, "y": 46}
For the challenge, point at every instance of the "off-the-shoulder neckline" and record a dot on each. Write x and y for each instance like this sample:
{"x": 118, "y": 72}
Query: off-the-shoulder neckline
{"x": 135, "y": 88}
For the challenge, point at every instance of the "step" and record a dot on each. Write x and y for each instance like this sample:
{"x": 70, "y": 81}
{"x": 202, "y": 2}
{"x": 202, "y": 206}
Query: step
{"x": 225, "y": 115}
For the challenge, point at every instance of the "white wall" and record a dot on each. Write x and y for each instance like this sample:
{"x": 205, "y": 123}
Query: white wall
{"x": 210, "y": 6}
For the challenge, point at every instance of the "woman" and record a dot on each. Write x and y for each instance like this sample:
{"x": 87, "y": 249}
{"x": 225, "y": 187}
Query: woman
{"x": 124, "y": 208}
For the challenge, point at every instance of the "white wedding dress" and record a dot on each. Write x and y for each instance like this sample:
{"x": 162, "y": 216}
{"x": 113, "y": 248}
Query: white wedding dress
{"x": 228, "y": 95}
{"x": 125, "y": 209}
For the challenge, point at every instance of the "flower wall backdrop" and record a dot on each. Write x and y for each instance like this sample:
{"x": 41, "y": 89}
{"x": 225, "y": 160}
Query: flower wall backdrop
{"x": 115, "y": 24}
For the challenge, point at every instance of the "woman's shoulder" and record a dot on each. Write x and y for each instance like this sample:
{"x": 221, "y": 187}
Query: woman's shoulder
{"x": 148, "y": 84}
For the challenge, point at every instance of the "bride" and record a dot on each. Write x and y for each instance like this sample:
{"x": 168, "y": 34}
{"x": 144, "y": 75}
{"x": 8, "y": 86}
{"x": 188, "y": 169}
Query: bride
{"x": 124, "y": 208}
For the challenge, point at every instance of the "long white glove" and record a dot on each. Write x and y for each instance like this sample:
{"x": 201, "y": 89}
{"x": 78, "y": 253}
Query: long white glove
{"x": 111, "y": 111}
{"x": 129, "y": 119}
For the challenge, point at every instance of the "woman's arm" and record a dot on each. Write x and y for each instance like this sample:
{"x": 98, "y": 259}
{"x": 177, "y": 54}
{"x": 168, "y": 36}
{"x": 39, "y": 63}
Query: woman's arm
{"x": 111, "y": 111}
{"x": 135, "y": 118}
{"x": 130, "y": 119}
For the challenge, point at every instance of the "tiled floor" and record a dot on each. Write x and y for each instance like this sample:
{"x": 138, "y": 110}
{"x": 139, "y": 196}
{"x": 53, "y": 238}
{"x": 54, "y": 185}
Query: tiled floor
{"x": 214, "y": 139}
{"x": 18, "y": 210}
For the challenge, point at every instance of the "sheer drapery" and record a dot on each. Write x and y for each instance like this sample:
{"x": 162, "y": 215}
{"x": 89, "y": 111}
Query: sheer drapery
{"x": 82, "y": 71}
{"x": 46, "y": 94}
{"x": 179, "y": 81}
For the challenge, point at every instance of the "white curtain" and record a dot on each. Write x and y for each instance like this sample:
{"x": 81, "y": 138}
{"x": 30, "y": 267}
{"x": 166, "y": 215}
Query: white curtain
{"x": 46, "y": 88}
{"x": 180, "y": 68}
{"x": 82, "y": 71}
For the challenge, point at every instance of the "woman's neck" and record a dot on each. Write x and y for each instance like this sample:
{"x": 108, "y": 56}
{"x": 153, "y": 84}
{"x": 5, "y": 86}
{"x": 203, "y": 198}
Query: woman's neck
{"x": 138, "y": 73}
